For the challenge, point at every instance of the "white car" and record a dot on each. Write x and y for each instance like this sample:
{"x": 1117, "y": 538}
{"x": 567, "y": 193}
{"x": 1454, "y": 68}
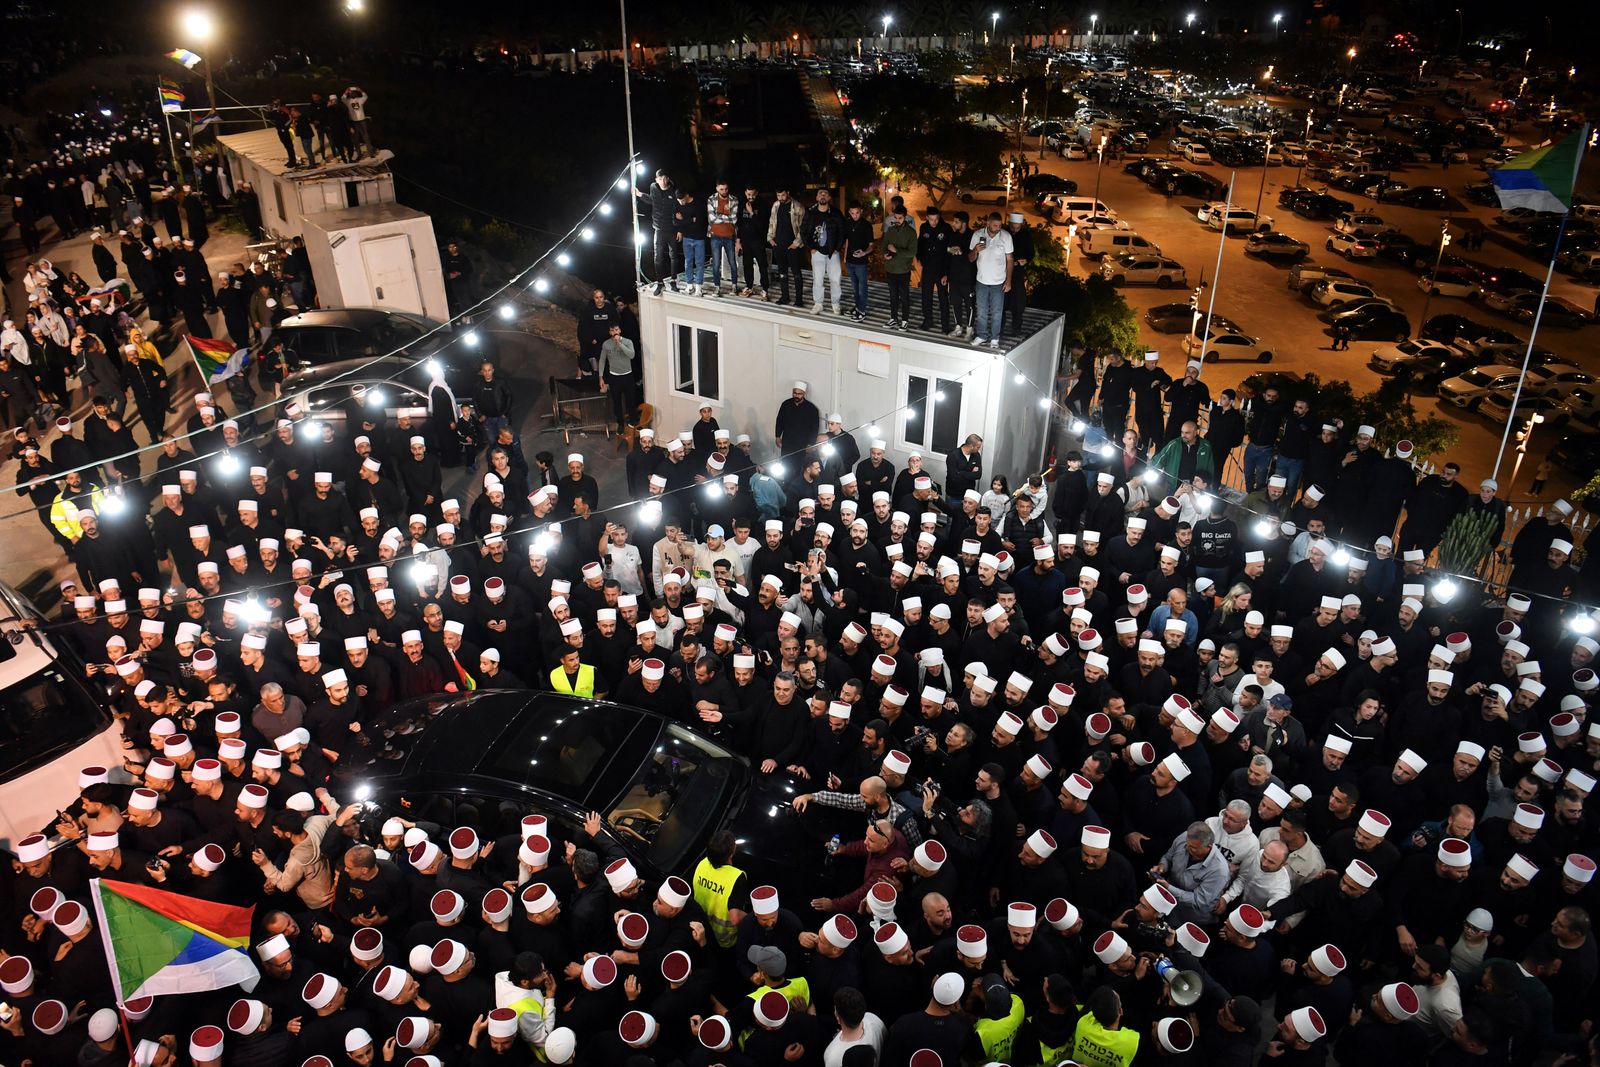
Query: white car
{"x": 1331, "y": 292}
{"x": 1141, "y": 269}
{"x": 1554, "y": 380}
{"x": 1496, "y": 406}
{"x": 1239, "y": 222}
{"x": 1390, "y": 358}
{"x": 1361, "y": 224}
{"x": 1197, "y": 153}
{"x": 1450, "y": 281}
{"x": 1294, "y": 154}
{"x": 1074, "y": 150}
{"x": 1225, "y": 343}
{"x": 1352, "y": 247}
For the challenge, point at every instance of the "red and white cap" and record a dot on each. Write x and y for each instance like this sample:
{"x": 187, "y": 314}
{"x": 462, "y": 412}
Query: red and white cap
{"x": 319, "y": 991}
{"x": 413, "y": 1032}
{"x": 50, "y": 1018}
{"x": 891, "y": 939}
{"x": 1248, "y": 920}
{"x": 897, "y": 762}
{"x": 1097, "y": 726}
{"x": 1454, "y": 852}
{"x": 448, "y": 956}
{"x": 210, "y": 857}
{"x": 1042, "y": 844}
{"x": 764, "y": 900}
{"x": 1022, "y": 915}
{"x": 1009, "y": 723}
{"x": 676, "y": 966}
{"x": 33, "y": 848}
{"x": 1528, "y": 815}
{"x": 1328, "y": 960}
{"x": 715, "y": 1033}
{"x": 1579, "y": 868}
{"x": 367, "y": 944}
{"x": 103, "y": 841}
{"x": 599, "y": 971}
{"x": 972, "y": 942}
{"x": 1361, "y": 873}
{"x": 632, "y": 930}
{"x": 538, "y": 898}
{"x": 534, "y": 851}
{"x": 1400, "y": 1000}
{"x": 534, "y": 824}
{"x": 1175, "y": 1035}
{"x": 496, "y": 905}
{"x": 463, "y": 843}
{"x": 1522, "y": 867}
{"x": 653, "y": 670}
{"x": 1043, "y": 718}
{"x": 620, "y": 874}
{"x": 1061, "y": 914}
{"x": 839, "y": 931}
{"x": 424, "y": 854}
{"x": 1078, "y": 786}
{"x": 45, "y": 901}
{"x": 447, "y": 906}
{"x": 389, "y": 982}
{"x": 502, "y": 1023}
{"x": 1374, "y": 822}
{"x": 930, "y": 856}
{"x": 1095, "y": 837}
{"x": 1038, "y": 766}
{"x": 1194, "y": 940}
{"x": 245, "y": 1016}
{"x": 71, "y": 918}
{"x": 1109, "y": 947}
{"x": 1160, "y": 899}
{"x": 926, "y": 1057}
{"x": 674, "y": 892}
{"x": 1307, "y": 1024}
{"x": 772, "y": 1009}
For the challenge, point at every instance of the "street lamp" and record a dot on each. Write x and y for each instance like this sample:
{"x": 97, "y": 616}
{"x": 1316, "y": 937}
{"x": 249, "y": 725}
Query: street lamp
{"x": 1261, "y": 194}
{"x": 886, "y": 20}
{"x": 199, "y": 28}
{"x": 1093, "y": 19}
{"x": 1350, "y": 60}
{"x": 1072, "y": 233}
{"x": 1277, "y": 25}
{"x": 1438, "y": 261}
{"x": 1100, "y": 152}
{"x": 1302, "y": 164}
{"x": 1189, "y": 21}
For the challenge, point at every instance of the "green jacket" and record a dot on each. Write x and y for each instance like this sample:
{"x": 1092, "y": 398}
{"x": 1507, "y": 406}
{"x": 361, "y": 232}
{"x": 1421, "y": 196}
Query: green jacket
{"x": 904, "y": 239}
{"x": 1170, "y": 457}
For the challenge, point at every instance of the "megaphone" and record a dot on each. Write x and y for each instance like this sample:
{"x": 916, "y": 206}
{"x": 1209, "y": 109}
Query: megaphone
{"x": 1184, "y": 987}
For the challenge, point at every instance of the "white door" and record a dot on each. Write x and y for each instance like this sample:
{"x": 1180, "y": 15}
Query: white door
{"x": 391, "y": 273}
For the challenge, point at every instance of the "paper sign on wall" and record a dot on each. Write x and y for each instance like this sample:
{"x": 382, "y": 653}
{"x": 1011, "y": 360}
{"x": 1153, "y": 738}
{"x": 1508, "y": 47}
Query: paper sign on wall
{"x": 872, "y": 357}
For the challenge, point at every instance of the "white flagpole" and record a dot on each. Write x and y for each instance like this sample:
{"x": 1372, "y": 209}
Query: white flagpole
{"x": 1538, "y": 312}
{"x": 1216, "y": 273}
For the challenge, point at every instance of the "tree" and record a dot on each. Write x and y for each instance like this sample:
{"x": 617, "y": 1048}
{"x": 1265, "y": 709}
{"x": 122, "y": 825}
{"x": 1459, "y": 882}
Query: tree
{"x": 932, "y": 145}
{"x": 1094, "y": 311}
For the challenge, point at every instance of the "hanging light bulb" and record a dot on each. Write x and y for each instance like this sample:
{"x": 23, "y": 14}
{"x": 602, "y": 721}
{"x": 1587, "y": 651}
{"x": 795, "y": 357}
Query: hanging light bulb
{"x": 587, "y": 233}
{"x": 1341, "y": 558}
{"x": 622, "y": 183}
{"x": 508, "y": 312}
{"x": 563, "y": 260}
{"x": 605, "y": 209}
{"x": 470, "y": 338}
{"x": 776, "y": 470}
{"x": 540, "y": 285}
{"x": 1445, "y": 591}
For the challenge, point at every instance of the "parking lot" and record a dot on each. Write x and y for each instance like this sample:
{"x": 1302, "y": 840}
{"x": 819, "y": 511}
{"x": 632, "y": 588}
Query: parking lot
{"x": 1252, "y": 291}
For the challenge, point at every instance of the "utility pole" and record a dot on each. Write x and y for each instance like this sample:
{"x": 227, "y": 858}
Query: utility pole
{"x": 1444, "y": 243}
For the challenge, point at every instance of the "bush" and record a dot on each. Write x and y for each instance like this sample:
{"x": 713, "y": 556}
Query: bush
{"x": 1385, "y": 409}
{"x": 1094, "y": 310}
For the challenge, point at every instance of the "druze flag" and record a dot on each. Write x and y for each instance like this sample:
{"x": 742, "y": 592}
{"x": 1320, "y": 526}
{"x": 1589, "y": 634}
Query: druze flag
{"x": 159, "y": 942}
{"x": 1541, "y": 179}
{"x": 218, "y": 360}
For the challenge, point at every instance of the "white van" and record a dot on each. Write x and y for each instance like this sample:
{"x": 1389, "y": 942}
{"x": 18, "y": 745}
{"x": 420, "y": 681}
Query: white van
{"x": 1070, "y": 209}
{"x": 53, "y": 725}
{"x": 1098, "y": 241}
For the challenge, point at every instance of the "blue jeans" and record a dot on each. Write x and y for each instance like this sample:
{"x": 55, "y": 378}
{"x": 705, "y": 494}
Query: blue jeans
{"x": 1257, "y": 462}
{"x": 723, "y": 246}
{"x": 858, "y": 289}
{"x": 991, "y": 305}
{"x": 1290, "y": 469}
{"x": 694, "y": 260}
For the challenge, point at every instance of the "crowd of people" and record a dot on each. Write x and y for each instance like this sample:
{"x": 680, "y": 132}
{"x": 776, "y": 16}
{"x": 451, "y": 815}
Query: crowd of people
{"x": 975, "y": 268}
{"x": 1121, "y": 773}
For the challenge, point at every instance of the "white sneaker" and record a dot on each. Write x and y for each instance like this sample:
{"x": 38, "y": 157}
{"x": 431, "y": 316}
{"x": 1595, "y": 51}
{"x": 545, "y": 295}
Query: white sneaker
{"x": 816, "y": 309}
{"x": 978, "y": 342}
{"x": 995, "y": 343}
{"x": 836, "y": 310}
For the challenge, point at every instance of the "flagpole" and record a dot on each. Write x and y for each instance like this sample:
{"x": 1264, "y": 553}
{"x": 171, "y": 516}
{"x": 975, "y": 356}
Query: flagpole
{"x": 1538, "y": 312}
{"x": 166, "y": 117}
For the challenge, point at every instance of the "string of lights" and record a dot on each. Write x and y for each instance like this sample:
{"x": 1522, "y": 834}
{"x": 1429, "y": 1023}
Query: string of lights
{"x": 582, "y": 229}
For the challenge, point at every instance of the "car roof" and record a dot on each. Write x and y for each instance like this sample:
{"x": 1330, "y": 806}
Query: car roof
{"x": 344, "y": 318}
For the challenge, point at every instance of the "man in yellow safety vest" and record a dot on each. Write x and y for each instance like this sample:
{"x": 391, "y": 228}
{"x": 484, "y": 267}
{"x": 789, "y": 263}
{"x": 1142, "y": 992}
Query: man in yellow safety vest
{"x": 721, "y": 889}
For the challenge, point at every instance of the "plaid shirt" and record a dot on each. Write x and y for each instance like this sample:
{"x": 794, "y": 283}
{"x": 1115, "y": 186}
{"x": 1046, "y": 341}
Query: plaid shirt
{"x": 903, "y": 820}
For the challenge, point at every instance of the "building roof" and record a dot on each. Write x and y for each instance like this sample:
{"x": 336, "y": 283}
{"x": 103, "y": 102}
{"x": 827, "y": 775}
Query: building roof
{"x": 263, "y": 148}
{"x": 1034, "y": 320}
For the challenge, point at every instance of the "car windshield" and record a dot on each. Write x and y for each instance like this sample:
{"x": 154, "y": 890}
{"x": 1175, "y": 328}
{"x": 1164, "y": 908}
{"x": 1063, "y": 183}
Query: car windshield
{"x": 42, "y": 717}
{"x": 563, "y": 751}
{"x": 1477, "y": 377}
{"x": 390, "y": 333}
{"x": 668, "y": 808}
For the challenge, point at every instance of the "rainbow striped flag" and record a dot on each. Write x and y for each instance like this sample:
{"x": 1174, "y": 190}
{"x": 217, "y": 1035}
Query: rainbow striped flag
{"x": 159, "y": 942}
{"x": 184, "y": 56}
{"x": 218, "y": 360}
{"x": 171, "y": 99}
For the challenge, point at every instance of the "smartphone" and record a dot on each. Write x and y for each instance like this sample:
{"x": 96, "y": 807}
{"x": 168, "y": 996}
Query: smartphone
{"x": 5, "y": 1012}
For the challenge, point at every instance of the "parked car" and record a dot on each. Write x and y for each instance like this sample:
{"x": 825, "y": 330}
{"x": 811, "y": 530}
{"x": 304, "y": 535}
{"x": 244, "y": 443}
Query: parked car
{"x": 1142, "y": 269}
{"x": 1275, "y": 244}
{"x": 1372, "y": 320}
{"x": 1461, "y": 331}
{"x": 1520, "y": 218}
{"x": 1451, "y": 281}
{"x": 1197, "y": 154}
{"x": 1424, "y": 375}
{"x": 1320, "y": 206}
{"x": 1470, "y": 387}
{"x": 1331, "y": 292}
{"x": 1074, "y": 150}
{"x": 1558, "y": 311}
{"x": 1496, "y": 406}
{"x": 1578, "y": 452}
{"x": 1040, "y": 185}
{"x": 984, "y": 194}
{"x": 1305, "y": 275}
{"x": 1503, "y": 281}
{"x": 1226, "y": 342}
{"x": 1351, "y": 246}
{"x": 1362, "y": 224}
{"x": 1391, "y": 358}
{"x": 1239, "y": 222}
{"x": 336, "y": 342}
{"x": 1172, "y": 318}
{"x": 1429, "y": 197}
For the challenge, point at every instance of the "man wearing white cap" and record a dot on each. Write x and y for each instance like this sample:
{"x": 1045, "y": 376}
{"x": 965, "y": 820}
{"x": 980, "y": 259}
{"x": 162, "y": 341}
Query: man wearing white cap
{"x": 798, "y": 420}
